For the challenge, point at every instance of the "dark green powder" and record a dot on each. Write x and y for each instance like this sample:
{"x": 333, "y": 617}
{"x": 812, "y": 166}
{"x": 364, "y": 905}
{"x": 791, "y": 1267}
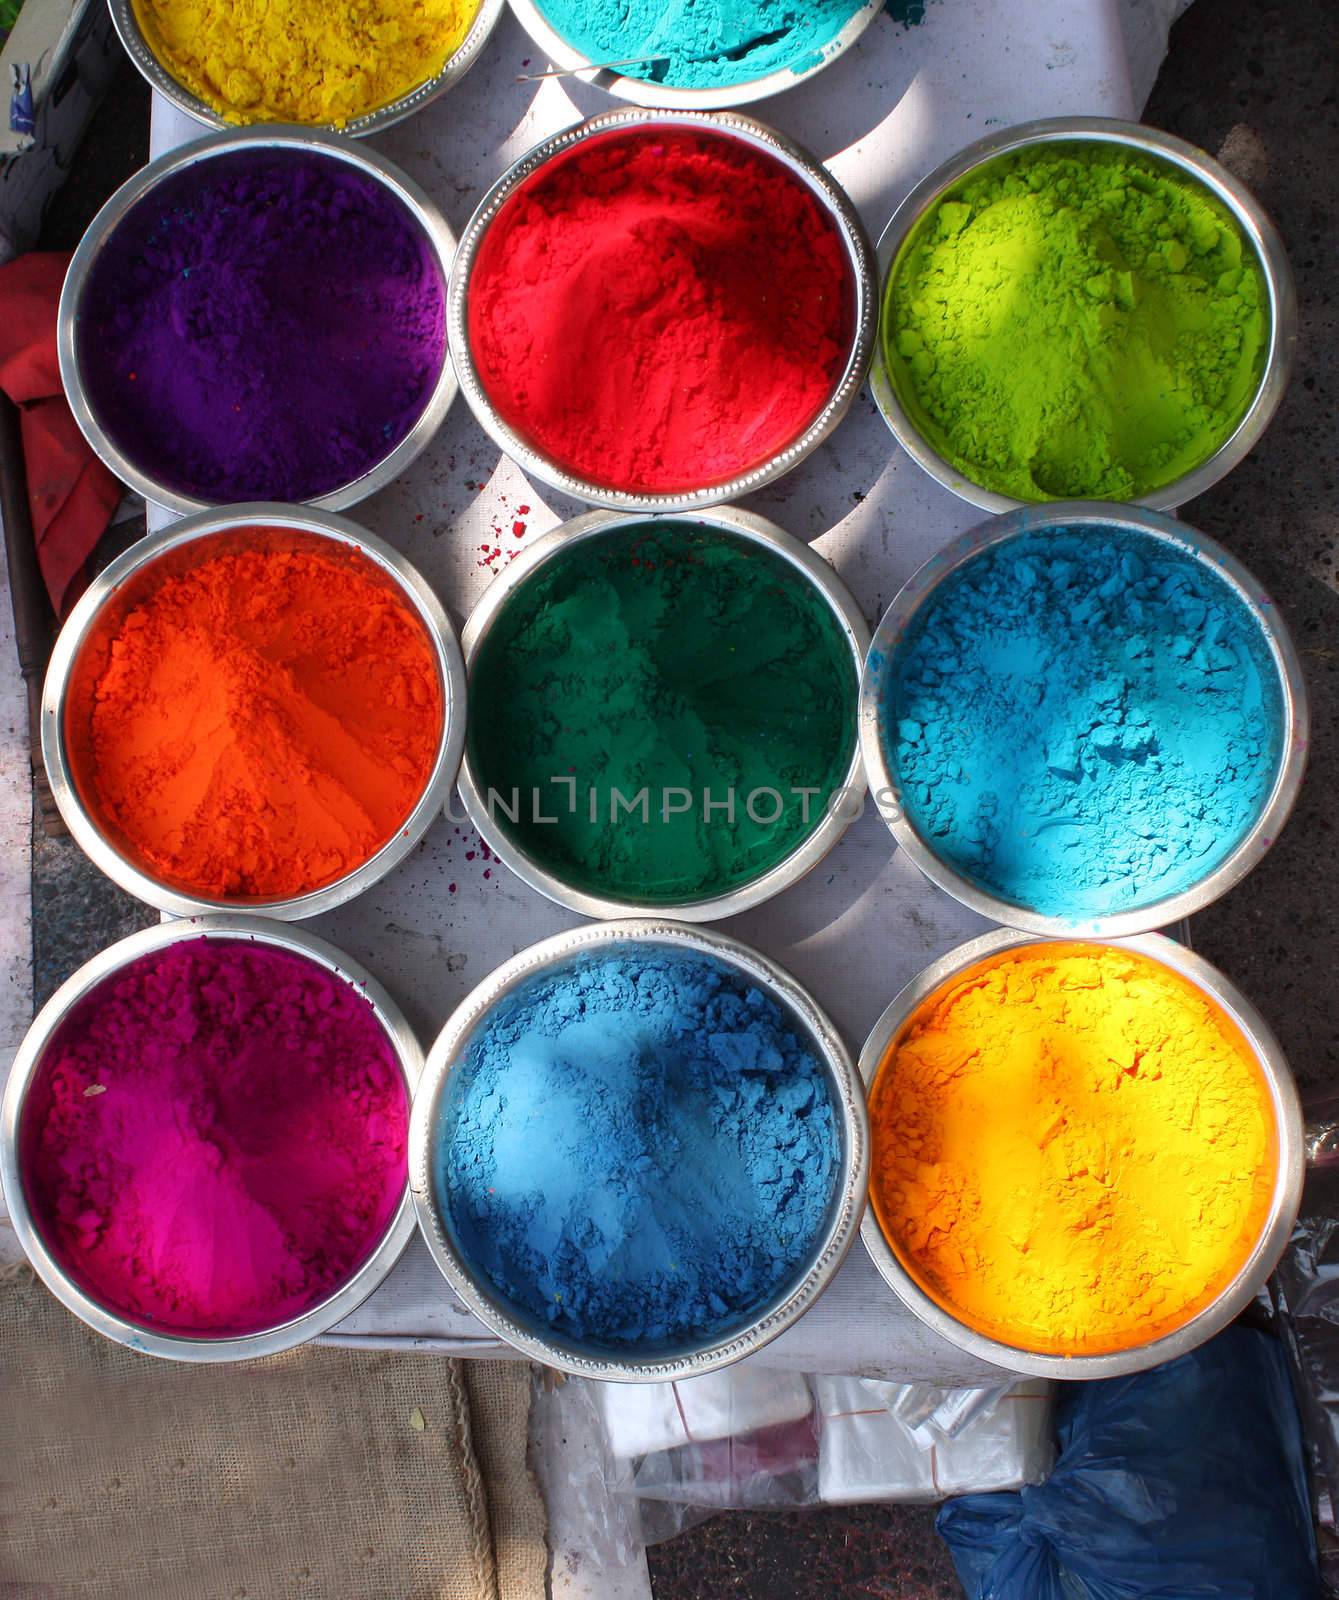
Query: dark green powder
{"x": 662, "y": 692}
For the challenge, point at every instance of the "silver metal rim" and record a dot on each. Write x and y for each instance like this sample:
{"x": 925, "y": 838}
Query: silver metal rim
{"x": 565, "y": 55}
{"x": 1254, "y": 222}
{"x": 362, "y": 158}
{"x": 825, "y": 190}
{"x": 158, "y": 77}
{"x": 849, "y": 1189}
{"x": 1234, "y": 1298}
{"x": 214, "y": 528}
{"x": 807, "y": 854}
{"x": 1039, "y": 519}
{"x": 149, "y": 1341}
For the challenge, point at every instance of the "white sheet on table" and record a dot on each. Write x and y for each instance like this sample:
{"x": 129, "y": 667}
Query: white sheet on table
{"x": 864, "y": 922}
{"x": 16, "y": 799}
{"x": 1144, "y": 28}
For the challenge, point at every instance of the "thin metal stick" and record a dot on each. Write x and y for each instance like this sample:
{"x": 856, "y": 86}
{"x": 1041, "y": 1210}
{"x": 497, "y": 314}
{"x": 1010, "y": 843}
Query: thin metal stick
{"x": 594, "y": 66}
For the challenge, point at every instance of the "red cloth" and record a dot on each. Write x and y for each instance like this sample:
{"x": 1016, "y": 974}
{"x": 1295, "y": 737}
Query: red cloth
{"x": 71, "y": 495}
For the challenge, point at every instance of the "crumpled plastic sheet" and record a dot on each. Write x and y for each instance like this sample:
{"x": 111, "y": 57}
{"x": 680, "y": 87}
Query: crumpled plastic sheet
{"x": 1305, "y": 1290}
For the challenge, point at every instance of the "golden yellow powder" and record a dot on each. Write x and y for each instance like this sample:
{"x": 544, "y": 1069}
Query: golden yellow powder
{"x": 1074, "y": 1148}
{"x": 303, "y": 60}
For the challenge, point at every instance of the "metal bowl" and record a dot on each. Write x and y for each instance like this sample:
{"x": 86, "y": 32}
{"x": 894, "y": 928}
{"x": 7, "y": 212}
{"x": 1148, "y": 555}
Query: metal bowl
{"x": 1250, "y": 1277}
{"x": 159, "y": 78}
{"x": 178, "y": 548}
{"x": 809, "y": 1280}
{"x": 1292, "y": 735}
{"x": 1243, "y": 205}
{"x": 742, "y": 525}
{"x": 141, "y": 1336}
{"x": 825, "y": 190}
{"x": 565, "y": 56}
{"x": 373, "y": 166}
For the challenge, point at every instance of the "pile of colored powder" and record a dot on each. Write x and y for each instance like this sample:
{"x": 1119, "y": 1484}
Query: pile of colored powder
{"x": 661, "y": 310}
{"x": 215, "y": 1141}
{"x": 701, "y": 44}
{"x": 1074, "y": 1148}
{"x": 303, "y": 60}
{"x": 259, "y": 725}
{"x": 1076, "y": 321}
{"x": 682, "y": 664}
{"x": 638, "y": 1149}
{"x": 264, "y": 325}
{"x": 1083, "y": 720}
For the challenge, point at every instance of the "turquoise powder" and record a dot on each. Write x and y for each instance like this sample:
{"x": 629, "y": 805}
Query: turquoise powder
{"x": 638, "y": 1149}
{"x": 1083, "y": 721}
{"x": 708, "y": 44}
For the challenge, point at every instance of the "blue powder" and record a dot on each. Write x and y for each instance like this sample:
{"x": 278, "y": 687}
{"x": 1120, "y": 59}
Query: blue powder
{"x": 638, "y": 1149}
{"x": 1083, "y": 720}
{"x": 707, "y": 44}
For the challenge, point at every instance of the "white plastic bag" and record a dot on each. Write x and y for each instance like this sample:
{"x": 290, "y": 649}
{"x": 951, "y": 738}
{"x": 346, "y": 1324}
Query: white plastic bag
{"x": 888, "y": 1441}
{"x": 642, "y": 1417}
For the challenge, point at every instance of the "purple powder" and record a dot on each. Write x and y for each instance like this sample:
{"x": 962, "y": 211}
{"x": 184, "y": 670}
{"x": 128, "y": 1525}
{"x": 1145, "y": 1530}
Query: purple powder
{"x": 263, "y": 326}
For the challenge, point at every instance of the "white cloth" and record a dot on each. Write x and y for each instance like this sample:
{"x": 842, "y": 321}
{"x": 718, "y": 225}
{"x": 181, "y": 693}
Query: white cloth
{"x": 16, "y": 802}
{"x": 1145, "y": 25}
{"x": 865, "y": 921}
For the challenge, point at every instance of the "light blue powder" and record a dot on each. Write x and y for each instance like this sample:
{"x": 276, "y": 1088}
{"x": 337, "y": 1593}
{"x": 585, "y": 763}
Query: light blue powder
{"x": 1083, "y": 720}
{"x": 638, "y": 1149}
{"x": 707, "y": 44}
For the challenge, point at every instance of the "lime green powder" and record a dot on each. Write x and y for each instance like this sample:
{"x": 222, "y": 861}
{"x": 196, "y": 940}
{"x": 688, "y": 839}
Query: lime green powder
{"x": 1076, "y": 321}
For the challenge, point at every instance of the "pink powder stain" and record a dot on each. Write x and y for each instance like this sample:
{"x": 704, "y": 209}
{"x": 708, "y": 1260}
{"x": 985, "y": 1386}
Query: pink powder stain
{"x": 216, "y": 1139}
{"x": 478, "y": 850}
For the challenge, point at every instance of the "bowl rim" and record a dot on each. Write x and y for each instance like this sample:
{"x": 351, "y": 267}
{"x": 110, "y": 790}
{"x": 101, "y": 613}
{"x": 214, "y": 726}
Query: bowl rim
{"x": 422, "y": 212}
{"x": 1236, "y": 1295}
{"x": 1057, "y": 516}
{"x": 44, "y": 1028}
{"x": 733, "y": 523}
{"x": 159, "y": 78}
{"x": 827, "y": 193}
{"x": 1251, "y": 217}
{"x": 565, "y": 56}
{"x": 215, "y": 527}
{"x": 849, "y": 1182}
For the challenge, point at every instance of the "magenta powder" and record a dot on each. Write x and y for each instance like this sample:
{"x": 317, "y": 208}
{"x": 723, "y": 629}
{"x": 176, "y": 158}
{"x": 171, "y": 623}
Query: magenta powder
{"x": 263, "y": 325}
{"x": 215, "y": 1140}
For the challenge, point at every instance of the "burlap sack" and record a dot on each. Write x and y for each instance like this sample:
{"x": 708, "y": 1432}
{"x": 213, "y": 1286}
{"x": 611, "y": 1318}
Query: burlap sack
{"x": 319, "y": 1475}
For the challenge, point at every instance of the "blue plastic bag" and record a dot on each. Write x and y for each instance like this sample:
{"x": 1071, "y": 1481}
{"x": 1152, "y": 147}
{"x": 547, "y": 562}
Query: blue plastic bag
{"x": 1179, "y": 1483}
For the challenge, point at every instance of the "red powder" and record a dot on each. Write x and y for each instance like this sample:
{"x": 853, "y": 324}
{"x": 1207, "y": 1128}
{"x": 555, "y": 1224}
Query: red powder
{"x": 661, "y": 311}
{"x": 216, "y": 1139}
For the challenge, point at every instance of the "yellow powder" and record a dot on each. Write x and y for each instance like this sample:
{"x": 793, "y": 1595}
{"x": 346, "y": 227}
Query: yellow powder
{"x": 303, "y": 60}
{"x": 1074, "y": 1148}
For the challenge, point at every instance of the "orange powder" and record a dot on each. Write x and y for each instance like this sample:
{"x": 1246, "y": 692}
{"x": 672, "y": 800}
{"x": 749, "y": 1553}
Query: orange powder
{"x": 1074, "y": 1148}
{"x": 261, "y": 724}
